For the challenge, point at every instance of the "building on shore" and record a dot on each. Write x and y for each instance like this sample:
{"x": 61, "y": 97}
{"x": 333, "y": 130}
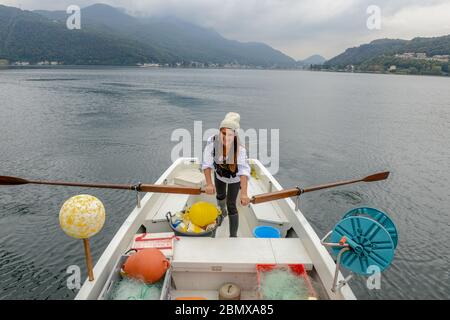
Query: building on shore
{"x": 441, "y": 58}
{"x": 423, "y": 56}
{"x": 149, "y": 65}
{"x": 4, "y": 62}
{"x": 21, "y": 63}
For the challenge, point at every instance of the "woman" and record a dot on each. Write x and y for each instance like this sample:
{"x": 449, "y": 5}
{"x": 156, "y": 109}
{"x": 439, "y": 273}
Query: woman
{"x": 228, "y": 159}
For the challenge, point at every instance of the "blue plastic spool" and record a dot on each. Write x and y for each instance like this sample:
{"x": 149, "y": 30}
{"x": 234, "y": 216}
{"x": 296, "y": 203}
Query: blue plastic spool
{"x": 266, "y": 232}
{"x": 380, "y": 217}
{"x": 371, "y": 244}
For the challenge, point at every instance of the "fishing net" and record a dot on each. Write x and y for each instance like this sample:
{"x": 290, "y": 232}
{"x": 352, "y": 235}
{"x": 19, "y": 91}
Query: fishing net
{"x": 131, "y": 289}
{"x": 280, "y": 284}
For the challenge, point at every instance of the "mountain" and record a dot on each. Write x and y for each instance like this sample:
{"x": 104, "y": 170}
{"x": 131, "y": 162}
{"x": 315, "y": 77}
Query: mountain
{"x": 390, "y": 47}
{"x": 27, "y": 36}
{"x": 313, "y": 60}
{"x": 109, "y": 35}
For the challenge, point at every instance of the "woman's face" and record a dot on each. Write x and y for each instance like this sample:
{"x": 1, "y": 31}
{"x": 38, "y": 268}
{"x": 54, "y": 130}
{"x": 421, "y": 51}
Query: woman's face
{"x": 227, "y": 136}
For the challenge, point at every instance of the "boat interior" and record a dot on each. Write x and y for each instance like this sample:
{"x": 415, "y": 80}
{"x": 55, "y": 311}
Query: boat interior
{"x": 201, "y": 265}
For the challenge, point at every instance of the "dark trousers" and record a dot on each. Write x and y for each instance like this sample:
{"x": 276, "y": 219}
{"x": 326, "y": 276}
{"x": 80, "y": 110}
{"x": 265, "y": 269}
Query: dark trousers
{"x": 231, "y": 196}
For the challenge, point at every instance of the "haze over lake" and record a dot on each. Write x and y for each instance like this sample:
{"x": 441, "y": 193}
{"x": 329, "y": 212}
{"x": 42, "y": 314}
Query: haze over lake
{"x": 114, "y": 125}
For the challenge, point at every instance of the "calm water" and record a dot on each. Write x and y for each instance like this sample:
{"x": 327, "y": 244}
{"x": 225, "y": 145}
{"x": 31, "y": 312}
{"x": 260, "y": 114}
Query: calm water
{"x": 114, "y": 125}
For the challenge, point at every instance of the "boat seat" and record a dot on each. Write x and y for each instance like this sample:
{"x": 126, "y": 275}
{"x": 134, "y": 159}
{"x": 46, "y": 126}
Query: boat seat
{"x": 268, "y": 212}
{"x": 174, "y": 202}
{"x": 190, "y": 178}
{"x": 202, "y": 254}
{"x": 167, "y": 202}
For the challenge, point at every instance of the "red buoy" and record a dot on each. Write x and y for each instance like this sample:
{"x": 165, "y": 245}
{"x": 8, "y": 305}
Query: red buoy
{"x": 148, "y": 265}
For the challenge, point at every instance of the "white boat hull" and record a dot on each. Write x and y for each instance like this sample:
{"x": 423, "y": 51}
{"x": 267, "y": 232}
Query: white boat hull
{"x": 306, "y": 249}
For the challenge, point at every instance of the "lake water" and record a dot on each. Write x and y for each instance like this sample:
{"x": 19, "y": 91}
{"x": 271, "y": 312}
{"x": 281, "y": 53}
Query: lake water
{"x": 114, "y": 125}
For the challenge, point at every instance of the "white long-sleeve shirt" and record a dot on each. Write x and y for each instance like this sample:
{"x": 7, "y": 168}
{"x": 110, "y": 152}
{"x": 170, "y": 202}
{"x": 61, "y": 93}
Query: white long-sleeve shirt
{"x": 242, "y": 162}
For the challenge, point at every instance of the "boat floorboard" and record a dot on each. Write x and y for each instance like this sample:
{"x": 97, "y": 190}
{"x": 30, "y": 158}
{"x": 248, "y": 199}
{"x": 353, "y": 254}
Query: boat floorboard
{"x": 243, "y": 231}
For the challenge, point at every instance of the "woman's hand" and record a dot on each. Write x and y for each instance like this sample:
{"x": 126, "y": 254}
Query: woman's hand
{"x": 245, "y": 200}
{"x": 210, "y": 189}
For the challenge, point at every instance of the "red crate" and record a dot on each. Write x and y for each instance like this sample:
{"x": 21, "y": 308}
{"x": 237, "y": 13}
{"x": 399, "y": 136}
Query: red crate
{"x": 297, "y": 269}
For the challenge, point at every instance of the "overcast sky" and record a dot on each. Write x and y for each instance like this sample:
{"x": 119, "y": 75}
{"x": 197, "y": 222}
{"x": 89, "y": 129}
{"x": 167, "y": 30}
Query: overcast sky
{"x": 299, "y": 28}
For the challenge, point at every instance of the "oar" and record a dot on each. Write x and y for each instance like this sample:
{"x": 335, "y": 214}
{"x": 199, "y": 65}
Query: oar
{"x": 12, "y": 181}
{"x": 271, "y": 196}
{"x": 265, "y": 197}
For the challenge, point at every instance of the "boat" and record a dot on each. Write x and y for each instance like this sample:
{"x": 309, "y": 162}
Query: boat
{"x": 199, "y": 265}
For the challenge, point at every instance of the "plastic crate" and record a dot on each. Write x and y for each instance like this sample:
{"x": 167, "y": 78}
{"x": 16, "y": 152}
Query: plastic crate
{"x": 297, "y": 269}
{"x": 161, "y": 241}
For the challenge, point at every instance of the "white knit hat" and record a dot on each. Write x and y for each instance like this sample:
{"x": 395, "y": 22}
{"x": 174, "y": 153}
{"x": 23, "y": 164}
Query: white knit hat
{"x": 231, "y": 121}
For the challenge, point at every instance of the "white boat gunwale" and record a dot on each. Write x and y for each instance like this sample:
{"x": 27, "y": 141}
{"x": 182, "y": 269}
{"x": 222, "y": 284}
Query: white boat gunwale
{"x": 323, "y": 263}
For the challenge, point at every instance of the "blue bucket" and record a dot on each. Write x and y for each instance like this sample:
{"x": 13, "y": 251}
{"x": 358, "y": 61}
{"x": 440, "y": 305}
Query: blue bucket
{"x": 266, "y": 232}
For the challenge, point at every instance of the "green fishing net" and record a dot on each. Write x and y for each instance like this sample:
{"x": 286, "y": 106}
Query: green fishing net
{"x": 281, "y": 284}
{"x": 131, "y": 289}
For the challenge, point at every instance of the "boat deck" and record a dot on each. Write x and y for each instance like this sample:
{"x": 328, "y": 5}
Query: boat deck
{"x": 238, "y": 253}
{"x": 199, "y": 266}
{"x": 249, "y": 217}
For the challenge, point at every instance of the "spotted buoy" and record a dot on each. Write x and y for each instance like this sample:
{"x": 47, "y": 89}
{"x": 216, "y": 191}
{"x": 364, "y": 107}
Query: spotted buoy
{"x": 82, "y": 217}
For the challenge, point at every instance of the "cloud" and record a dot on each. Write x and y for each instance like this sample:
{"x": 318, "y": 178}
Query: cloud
{"x": 419, "y": 20}
{"x": 297, "y": 27}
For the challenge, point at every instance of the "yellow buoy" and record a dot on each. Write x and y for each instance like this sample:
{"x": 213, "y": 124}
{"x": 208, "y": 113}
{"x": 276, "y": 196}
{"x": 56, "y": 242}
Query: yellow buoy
{"x": 202, "y": 213}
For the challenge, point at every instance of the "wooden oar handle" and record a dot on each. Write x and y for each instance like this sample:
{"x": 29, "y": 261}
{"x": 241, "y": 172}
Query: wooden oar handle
{"x": 169, "y": 189}
{"x": 277, "y": 195}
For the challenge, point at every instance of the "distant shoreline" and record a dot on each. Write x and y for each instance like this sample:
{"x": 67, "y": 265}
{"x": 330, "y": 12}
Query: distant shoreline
{"x": 384, "y": 73}
{"x": 100, "y": 66}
